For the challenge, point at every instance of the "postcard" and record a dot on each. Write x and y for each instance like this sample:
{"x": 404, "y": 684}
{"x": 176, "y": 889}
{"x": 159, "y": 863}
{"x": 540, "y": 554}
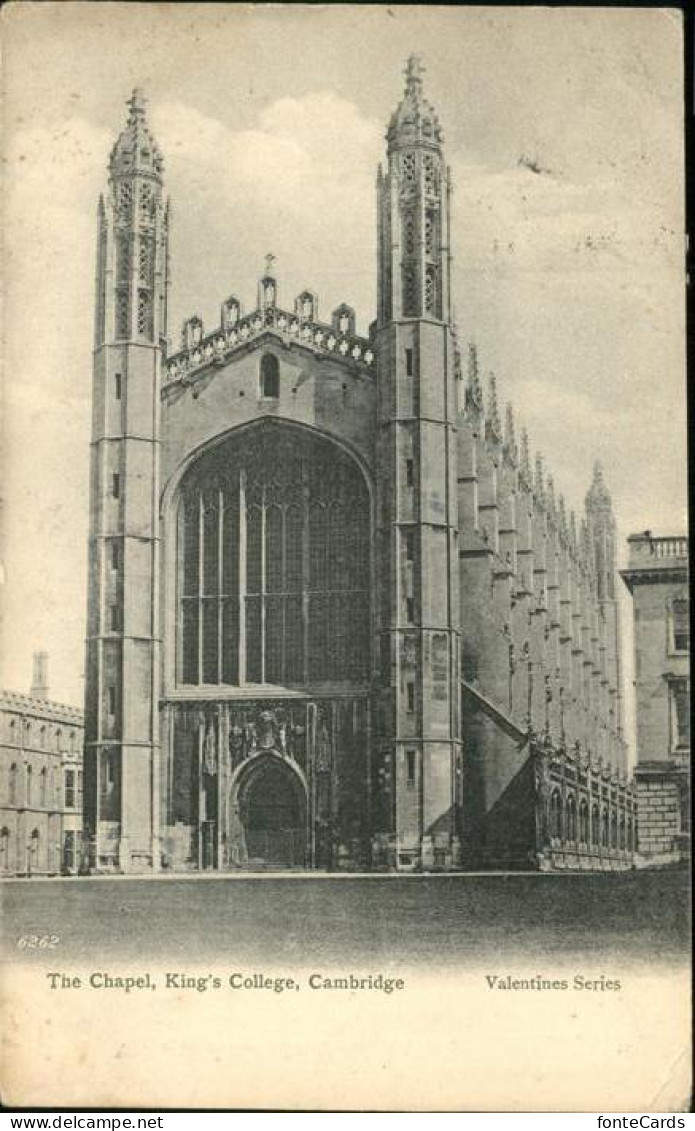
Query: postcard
{"x": 345, "y": 742}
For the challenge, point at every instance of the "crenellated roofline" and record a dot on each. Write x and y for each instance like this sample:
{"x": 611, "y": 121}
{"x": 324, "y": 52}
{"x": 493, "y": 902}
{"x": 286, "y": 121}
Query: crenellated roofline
{"x": 528, "y": 471}
{"x": 335, "y": 341}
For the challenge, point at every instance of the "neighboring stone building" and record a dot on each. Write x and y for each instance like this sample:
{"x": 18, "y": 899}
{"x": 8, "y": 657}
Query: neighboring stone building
{"x": 657, "y": 577}
{"x": 41, "y": 781}
{"x": 337, "y": 619}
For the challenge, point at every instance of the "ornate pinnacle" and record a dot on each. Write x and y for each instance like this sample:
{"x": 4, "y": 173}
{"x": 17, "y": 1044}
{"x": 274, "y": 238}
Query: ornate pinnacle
{"x": 550, "y": 493}
{"x": 510, "y": 434}
{"x": 525, "y": 459}
{"x": 493, "y": 427}
{"x": 573, "y": 529}
{"x": 539, "y": 484}
{"x": 474, "y": 392}
{"x": 598, "y": 496}
{"x": 562, "y": 514}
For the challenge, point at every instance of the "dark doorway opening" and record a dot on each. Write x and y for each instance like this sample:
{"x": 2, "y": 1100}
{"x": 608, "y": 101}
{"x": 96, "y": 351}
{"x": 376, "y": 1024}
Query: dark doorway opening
{"x": 274, "y": 817}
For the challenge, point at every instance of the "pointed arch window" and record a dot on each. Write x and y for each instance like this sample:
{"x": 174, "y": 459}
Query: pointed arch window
{"x": 274, "y": 564}
{"x": 583, "y": 823}
{"x": 556, "y": 815}
{"x": 270, "y": 376}
{"x": 12, "y": 784}
{"x": 431, "y": 290}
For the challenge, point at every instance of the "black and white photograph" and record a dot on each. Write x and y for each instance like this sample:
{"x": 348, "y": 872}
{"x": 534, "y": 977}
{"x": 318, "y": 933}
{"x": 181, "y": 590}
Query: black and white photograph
{"x": 345, "y": 708}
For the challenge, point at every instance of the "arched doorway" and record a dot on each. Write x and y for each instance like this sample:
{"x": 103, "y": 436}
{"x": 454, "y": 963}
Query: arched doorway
{"x": 269, "y": 807}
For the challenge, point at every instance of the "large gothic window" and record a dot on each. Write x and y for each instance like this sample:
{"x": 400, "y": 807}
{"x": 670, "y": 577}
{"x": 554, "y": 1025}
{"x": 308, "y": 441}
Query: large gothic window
{"x": 273, "y": 563}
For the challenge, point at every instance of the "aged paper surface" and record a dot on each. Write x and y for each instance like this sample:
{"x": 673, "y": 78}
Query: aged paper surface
{"x": 444, "y": 987}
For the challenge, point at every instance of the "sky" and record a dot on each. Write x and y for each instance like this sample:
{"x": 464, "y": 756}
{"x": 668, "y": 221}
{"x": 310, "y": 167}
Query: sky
{"x": 563, "y": 130}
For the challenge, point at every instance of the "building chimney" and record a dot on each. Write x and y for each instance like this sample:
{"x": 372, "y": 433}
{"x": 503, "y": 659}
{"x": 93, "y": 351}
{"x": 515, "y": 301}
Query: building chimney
{"x": 39, "y": 684}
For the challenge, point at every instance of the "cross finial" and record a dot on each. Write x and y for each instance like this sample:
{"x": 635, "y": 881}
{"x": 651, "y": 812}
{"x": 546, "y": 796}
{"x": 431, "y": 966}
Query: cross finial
{"x": 269, "y": 261}
{"x": 414, "y": 71}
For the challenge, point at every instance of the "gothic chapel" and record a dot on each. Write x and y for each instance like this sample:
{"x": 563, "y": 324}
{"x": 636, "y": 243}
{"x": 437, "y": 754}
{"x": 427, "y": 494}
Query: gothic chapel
{"x": 338, "y": 618}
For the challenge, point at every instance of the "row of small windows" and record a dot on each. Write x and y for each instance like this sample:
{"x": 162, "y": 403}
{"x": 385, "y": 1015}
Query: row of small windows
{"x": 41, "y": 736}
{"x": 593, "y": 828}
{"x": 42, "y": 794}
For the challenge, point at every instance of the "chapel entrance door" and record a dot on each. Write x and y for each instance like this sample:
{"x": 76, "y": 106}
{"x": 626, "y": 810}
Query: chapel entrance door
{"x": 273, "y": 812}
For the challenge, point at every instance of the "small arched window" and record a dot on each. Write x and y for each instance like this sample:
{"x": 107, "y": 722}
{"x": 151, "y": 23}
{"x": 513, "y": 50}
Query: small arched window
{"x": 571, "y": 831}
{"x": 555, "y": 816}
{"x": 604, "y": 829}
{"x": 583, "y": 822}
{"x": 5, "y": 850}
{"x": 270, "y": 376}
{"x": 28, "y": 786}
{"x": 13, "y": 784}
{"x": 42, "y": 786}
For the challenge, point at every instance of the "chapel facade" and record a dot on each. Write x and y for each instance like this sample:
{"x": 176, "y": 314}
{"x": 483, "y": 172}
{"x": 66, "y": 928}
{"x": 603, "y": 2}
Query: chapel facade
{"x": 338, "y": 618}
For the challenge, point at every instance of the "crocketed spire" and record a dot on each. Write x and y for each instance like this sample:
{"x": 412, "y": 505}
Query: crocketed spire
{"x": 598, "y": 497}
{"x": 136, "y": 151}
{"x": 415, "y": 119}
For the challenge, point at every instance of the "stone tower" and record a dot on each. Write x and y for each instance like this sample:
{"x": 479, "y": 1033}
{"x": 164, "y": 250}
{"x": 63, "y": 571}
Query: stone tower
{"x": 122, "y": 656}
{"x": 417, "y": 555}
{"x": 603, "y": 548}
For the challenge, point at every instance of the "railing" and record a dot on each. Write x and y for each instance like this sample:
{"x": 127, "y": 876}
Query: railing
{"x": 669, "y": 547}
{"x": 217, "y": 346}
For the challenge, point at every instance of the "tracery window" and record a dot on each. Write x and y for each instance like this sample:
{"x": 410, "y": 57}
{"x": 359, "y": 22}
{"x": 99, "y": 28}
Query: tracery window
{"x": 583, "y": 822}
{"x": 144, "y": 314}
{"x": 555, "y": 815}
{"x": 145, "y": 261}
{"x": 431, "y": 174}
{"x": 409, "y": 233}
{"x": 595, "y": 826}
{"x": 571, "y": 830}
{"x": 410, "y": 298}
{"x": 429, "y": 233}
{"x": 122, "y": 257}
{"x": 122, "y": 319}
{"x": 145, "y": 203}
{"x": 273, "y": 563}
{"x": 431, "y": 304}
{"x": 124, "y": 200}
{"x": 408, "y": 169}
